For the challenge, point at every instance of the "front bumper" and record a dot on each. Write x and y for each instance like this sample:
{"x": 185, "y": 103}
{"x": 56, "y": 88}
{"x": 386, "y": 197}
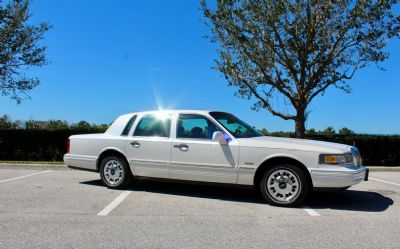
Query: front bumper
{"x": 338, "y": 176}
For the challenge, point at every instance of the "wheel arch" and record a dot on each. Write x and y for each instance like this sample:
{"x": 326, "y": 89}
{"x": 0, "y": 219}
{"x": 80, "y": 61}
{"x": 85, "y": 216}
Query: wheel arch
{"x": 109, "y": 152}
{"x": 276, "y": 160}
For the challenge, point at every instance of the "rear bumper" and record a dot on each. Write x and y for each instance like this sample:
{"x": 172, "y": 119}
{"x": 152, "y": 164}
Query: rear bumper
{"x": 338, "y": 176}
{"x": 81, "y": 162}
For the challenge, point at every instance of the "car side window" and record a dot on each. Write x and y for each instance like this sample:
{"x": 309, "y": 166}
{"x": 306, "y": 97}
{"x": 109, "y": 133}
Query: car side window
{"x": 195, "y": 126}
{"x": 153, "y": 126}
{"x": 128, "y": 126}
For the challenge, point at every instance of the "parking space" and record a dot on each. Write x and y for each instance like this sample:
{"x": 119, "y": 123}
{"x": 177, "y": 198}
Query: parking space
{"x": 7, "y": 175}
{"x": 65, "y": 208}
{"x": 387, "y": 176}
{"x": 52, "y": 192}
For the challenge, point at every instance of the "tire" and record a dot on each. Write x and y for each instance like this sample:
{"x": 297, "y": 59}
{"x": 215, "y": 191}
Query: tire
{"x": 115, "y": 172}
{"x": 284, "y": 185}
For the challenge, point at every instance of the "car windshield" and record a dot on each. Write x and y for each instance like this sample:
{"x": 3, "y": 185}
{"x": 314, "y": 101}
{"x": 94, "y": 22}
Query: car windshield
{"x": 235, "y": 126}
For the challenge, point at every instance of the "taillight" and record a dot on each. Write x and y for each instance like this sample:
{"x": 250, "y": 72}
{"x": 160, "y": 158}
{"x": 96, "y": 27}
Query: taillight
{"x": 68, "y": 145}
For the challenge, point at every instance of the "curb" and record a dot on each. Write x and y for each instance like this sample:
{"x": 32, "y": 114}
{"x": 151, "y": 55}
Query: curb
{"x": 383, "y": 169}
{"x": 32, "y": 166}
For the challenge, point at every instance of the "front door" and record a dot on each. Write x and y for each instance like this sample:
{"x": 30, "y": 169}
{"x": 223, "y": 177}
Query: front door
{"x": 149, "y": 149}
{"x": 196, "y": 157}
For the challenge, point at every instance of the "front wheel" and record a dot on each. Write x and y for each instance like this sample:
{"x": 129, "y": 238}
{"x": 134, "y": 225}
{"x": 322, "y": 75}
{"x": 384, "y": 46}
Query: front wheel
{"x": 284, "y": 185}
{"x": 115, "y": 172}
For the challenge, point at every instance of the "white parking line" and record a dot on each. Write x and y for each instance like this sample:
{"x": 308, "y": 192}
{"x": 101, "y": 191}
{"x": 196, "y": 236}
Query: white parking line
{"x": 396, "y": 184}
{"x": 20, "y": 177}
{"x": 311, "y": 211}
{"x": 120, "y": 198}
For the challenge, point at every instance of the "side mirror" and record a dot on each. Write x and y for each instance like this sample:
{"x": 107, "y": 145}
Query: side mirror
{"x": 220, "y": 137}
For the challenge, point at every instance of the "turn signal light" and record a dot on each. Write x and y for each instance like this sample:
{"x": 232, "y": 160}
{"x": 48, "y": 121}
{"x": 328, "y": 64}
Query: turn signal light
{"x": 330, "y": 159}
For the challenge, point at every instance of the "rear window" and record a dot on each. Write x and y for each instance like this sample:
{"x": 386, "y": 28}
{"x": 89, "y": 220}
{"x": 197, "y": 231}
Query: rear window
{"x": 128, "y": 126}
{"x": 153, "y": 126}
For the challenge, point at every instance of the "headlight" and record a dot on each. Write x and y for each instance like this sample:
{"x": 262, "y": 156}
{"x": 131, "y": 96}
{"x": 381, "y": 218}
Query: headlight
{"x": 356, "y": 156}
{"x": 336, "y": 158}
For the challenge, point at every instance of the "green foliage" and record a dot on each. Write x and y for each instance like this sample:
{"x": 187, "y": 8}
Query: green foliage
{"x": 57, "y": 125}
{"x": 6, "y": 123}
{"x": 285, "y": 53}
{"x": 46, "y": 140}
{"x": 100, "y": 127}
{"x": 43, "y": 140}
{"x": 35, "y": 125}
{"x": 264, "y": 131}
{"x": 328, "y": 131}
{"x": 346, "y": 132}
{"x": 19, "y": 49}
{"x": 50, "y": 145}
{"x": 311, "y": 131}
{"x": 82, "y": 125}
{"x": 375, "y": 150}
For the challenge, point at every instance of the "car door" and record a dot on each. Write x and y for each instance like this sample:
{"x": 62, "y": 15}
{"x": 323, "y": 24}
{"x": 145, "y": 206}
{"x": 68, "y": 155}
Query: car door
{"x": 149, "y": 148}
{"x": 195, "y": 156}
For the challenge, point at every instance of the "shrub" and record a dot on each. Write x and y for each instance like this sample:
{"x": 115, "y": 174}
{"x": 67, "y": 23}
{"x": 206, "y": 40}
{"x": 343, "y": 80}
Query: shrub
{"x": 375, "y": 150}
{"x": 35, "y": 145}
{"x": 50, "y": 145}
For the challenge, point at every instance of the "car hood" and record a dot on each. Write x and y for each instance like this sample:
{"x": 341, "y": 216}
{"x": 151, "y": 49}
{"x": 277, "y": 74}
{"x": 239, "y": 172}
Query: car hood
{"x": 294, "y": 144}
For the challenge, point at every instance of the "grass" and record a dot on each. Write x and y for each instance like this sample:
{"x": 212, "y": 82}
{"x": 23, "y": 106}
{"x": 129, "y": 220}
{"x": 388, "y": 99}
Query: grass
{"x": 33, "y": 162}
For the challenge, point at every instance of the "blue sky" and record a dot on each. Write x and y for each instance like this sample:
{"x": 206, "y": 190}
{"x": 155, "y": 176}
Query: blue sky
{"x": 113, "y": 57}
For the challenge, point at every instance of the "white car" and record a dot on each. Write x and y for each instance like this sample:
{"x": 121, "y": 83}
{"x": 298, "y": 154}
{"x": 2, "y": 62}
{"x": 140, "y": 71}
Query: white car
{"x": 212, "y": 146}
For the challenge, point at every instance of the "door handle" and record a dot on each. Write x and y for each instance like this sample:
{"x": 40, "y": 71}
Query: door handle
{"x": 182, "y": 147}
{"x": 135, "y": 144}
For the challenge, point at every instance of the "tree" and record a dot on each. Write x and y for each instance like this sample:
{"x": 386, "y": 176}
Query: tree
{"x": 82, "y": 125}
{"x": 264, "y": 131}
{"x": 100, "y": 127}
{"x": 329, "y": 131}
{"x": 346, "y": 132}
{"x": 288, "y": 52}
{"x": 57, "y": 125}
{"x": 18, "y": 124}
{"x": 311, "y": 131}
{"x": 35, "y": 125}
{"x": 19, "y": 49}
{"x": 6, "y": 123}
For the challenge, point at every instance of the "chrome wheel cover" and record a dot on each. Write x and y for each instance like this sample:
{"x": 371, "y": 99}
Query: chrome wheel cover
{"x": 113, "y": 172}
{"x": 283, "y": 185}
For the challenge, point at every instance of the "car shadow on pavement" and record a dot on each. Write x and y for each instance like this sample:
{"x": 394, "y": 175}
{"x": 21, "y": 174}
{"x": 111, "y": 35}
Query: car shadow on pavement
{"x": 350, "y": 200}
{"x": 198, "y": 190}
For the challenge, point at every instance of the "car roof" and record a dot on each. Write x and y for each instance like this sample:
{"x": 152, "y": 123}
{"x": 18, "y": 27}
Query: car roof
{"x": 120, "y": 122}
{"x": 173, "y": 111}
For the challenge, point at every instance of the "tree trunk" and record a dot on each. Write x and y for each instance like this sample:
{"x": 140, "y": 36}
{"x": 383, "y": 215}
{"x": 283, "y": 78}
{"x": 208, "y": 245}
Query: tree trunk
{"x": 300, "y": 123}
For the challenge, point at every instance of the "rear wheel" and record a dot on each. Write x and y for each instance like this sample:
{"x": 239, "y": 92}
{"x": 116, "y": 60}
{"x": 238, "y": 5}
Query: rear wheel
{"x": 115, "y": 172}
{"x": 284, "y": 185}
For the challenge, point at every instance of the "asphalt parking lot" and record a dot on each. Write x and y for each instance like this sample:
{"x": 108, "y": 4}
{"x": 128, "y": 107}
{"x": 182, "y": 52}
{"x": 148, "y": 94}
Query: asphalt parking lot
{"x": 72, "y": 209}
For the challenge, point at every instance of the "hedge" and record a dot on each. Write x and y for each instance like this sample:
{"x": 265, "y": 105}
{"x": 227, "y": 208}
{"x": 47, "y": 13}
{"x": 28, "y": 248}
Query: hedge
{"x": 35, "y": 145}
{"x": 375, "y": 150}
{"x": 50, "y": 145}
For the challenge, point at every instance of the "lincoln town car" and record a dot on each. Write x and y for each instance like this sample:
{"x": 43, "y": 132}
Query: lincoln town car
{"x": 215, "y": 147}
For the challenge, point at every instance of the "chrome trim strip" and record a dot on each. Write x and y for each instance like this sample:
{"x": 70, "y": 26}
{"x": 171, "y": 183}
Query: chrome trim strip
{"x": 246, "y": 168}
{"x": 80, "y": 157}
{"x": 202, "y": 165}
{"x": 150, "y": 162}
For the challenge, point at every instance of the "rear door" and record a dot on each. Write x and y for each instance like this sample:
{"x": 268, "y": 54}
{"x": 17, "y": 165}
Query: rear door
{"x": 196, "y": 157}
{"x": 149, "y": 148}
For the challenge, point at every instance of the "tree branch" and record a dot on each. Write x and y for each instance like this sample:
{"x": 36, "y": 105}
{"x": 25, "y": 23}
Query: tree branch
{"x": 258, "y": 96}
